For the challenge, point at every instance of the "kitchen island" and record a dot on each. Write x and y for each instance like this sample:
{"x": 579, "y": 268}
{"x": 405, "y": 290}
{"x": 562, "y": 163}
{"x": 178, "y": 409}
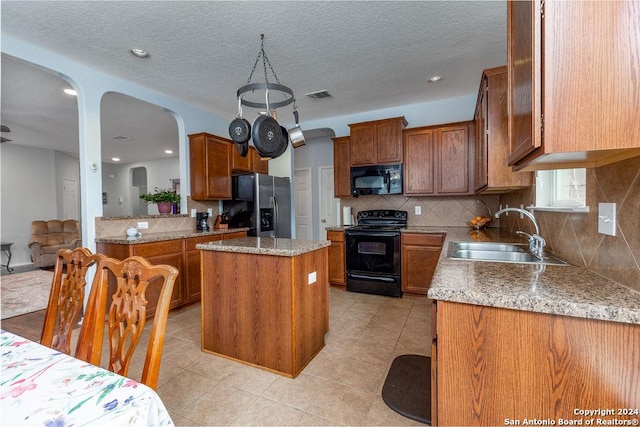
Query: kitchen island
{"x": 521, "y": 344}
{"x": 265, "y": 301}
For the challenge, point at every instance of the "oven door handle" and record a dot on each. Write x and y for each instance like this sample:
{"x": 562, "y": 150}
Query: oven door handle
{"x": 376, "y": 278}
{"x": 373, "y": 233}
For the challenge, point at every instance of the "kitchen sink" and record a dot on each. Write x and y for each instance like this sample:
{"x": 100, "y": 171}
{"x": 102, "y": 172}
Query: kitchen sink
{"x": 498, "y": 252}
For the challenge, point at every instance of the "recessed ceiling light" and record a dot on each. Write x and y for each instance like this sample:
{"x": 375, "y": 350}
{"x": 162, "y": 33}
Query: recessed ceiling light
{"x": 115, "y": 159}
{"x": 168, "y": 151}
{"x": 140, "y": 53}
{"x": 71, "y": 92}
{"x": 435, "y": 79}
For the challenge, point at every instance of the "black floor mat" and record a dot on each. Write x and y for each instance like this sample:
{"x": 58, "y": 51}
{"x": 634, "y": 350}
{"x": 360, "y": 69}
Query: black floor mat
{"x": 407, "y": 389}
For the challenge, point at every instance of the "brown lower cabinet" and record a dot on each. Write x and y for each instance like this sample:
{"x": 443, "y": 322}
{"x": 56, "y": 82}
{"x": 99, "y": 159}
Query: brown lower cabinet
{"x": 337, "y": 260}
{"x": 420, "y": 254}
{"x": 179, "y": 253}
{"x": 497, "y": 366}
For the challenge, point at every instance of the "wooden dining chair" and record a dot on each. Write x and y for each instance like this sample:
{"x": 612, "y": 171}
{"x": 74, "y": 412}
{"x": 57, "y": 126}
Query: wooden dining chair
{"x": 126, "y": 315}
{"x": 66, "y": 298}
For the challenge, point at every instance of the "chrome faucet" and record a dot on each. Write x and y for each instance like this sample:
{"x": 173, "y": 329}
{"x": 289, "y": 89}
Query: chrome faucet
{"x": 536, "y": 241}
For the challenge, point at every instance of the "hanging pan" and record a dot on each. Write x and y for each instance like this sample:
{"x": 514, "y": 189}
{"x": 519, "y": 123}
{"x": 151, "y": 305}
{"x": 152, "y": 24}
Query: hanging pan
{"x": 295, "y": 134}
{"x": 266, "y": 133}
{"x": 240, "y": 128}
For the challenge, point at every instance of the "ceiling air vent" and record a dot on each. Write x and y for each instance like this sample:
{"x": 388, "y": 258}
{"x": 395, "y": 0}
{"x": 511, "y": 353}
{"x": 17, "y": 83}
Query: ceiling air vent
{"x": 319, "y": 94}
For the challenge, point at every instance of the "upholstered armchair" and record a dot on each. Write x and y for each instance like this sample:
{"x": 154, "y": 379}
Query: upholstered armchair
{"x": 49, "y": 236}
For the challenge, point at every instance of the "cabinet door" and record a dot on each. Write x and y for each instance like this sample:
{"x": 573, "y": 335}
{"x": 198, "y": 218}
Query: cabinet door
{"x": 523, "y": 39}
{"x": 218, "y": 168}
{"x": 337, "y": 263}
{"x": 210, "y": 163}
{"x": 389, "y": 141}
{"x": 191, "y": 275}
{"x": 257, "y": 164}
{"x": 419, "y": 162}
{"x": 239, "y": 163}
{"x": 420, "y": 255}
{"x": 178, "y": 295}
{"x": 481, "y": 179}
{"x": 453, "y": 164}
{"x": 341, "y": 167}
{"x": 363, "y": 147}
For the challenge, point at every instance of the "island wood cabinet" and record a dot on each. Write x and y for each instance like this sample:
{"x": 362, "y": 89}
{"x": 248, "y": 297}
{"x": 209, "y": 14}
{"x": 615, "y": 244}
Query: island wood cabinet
{"x": 496, "y": 364}
{"x": 263, "y": 309}
{"x": 420, "y": 254}
{"x": 572, "y": 104}
{"x": 341, "y": 167}
{"x": 377, "y": 142}
{"x": 179, "y": 253}
{"x": 337, "y": 258}
{"x": 492, "y": 175}
{"x": 213, "y": 160}
{"x": 438, "y": 160}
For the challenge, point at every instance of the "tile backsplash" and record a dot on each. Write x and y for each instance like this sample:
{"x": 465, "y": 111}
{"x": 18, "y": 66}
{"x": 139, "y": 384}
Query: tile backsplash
{"x": 446, "y": 211}
{"x": 575, "y": 237}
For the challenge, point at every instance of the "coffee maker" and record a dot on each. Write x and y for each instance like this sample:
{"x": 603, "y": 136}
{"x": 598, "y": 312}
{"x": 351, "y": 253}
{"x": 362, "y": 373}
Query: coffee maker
{"x": 201, "y": 221}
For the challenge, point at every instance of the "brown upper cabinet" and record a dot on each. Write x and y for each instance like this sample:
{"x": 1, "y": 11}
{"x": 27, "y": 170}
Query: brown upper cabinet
{"x": 492, "y": 175}
{"x": 377, "y": 142}
{"x": 341, "y": 167}
{"x": 210, "y": 167}
{"x": 213, "y": 160}
{"x": 573, "y": 98}
{"x": 438, "y": 160}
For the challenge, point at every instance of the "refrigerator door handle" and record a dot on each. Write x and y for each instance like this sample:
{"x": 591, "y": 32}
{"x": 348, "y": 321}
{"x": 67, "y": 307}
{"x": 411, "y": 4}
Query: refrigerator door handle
{"x": 275, "y": 215}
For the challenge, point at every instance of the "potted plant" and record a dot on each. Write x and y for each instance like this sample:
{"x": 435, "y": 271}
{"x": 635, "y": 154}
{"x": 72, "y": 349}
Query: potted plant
{"x": 163, "y": 198}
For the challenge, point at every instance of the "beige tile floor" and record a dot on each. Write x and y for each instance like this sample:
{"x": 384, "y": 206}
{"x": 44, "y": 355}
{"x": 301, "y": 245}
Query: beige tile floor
{"x": 341, "y": 386}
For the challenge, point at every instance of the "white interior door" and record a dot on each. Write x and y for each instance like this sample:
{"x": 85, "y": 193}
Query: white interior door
{"x": 70, "y": 198}
{"x": 304, "y": 215}
{"x": 329, "y": 205}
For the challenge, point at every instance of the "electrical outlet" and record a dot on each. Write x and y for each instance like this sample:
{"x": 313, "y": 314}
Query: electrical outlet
{"x": 143, "y": 225}
{"x": 312, "y": 278}
{"x": 418, "y": 210}
{"x": 607, "y": 218}
{"x": 193, "y": 213}
{"x": 210, "y": 211}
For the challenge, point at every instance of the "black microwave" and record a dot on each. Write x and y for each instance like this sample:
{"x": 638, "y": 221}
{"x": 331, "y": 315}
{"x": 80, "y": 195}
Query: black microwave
{"x": 378, "y": 179}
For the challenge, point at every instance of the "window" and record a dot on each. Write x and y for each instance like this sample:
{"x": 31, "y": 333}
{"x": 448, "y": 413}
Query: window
{"x": 562, "y": 190}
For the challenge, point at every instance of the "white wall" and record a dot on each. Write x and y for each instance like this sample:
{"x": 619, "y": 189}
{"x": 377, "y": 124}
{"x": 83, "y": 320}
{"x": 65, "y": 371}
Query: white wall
{"x": 25, "y": 168}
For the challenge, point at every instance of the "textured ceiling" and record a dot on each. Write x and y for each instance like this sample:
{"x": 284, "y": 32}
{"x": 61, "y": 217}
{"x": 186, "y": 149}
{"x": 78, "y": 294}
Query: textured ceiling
{"x": 368, "y": 55}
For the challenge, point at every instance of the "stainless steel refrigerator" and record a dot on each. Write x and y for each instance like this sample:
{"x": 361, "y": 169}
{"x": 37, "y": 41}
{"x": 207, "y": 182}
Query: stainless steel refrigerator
{"x": 262, "y": 203}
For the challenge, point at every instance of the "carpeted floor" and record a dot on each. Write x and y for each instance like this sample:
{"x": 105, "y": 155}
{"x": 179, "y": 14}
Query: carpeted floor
{"x": 24, "y": 293}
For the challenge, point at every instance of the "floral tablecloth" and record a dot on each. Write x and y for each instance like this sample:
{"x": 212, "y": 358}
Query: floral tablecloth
{"x": 43, "y": 387}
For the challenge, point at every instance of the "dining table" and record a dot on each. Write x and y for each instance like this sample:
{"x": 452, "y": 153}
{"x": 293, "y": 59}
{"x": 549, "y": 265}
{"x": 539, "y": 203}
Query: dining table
{"x": 40, "y": 386}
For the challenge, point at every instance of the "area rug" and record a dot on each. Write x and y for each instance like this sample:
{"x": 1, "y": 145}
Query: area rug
{"x": 24, "y": 293}
{"x": 407, "y": 389}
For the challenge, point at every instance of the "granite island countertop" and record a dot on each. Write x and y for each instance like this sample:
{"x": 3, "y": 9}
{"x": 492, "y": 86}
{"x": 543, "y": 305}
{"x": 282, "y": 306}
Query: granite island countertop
{"x": 165, "y": 235}
{"x": 563, "y": 290}
{"x": 265, "y": 246}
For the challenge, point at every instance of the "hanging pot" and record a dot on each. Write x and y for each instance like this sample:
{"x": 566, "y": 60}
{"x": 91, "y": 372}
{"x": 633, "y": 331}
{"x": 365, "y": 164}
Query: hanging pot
{"x": 267, "y": 133}
{"x": 284, "y": 143}
{"x": 240, "y": 128}
{"x": 295, "y": 134}
{"x": 242, "y": 149}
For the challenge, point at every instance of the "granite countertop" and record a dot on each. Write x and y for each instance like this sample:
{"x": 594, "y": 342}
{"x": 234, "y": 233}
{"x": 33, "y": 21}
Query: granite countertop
{"x": 265, "y": 246}
{"x": 563, "y": 290}
{"x": 166, "y": 235}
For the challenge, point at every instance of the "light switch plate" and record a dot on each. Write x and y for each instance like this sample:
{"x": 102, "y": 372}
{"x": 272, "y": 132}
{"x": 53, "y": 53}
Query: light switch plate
{"x": 607, "y": 218}
{"x": 418, "y": 210}
{"x": 143, "y": 225}
{"x": 312, "y": 278}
